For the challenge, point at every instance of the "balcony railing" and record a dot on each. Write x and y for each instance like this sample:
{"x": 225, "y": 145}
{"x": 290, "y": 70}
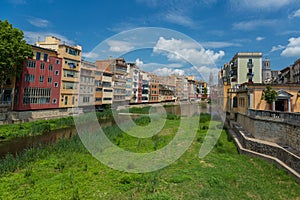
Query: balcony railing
{"x": 292, "y": 118}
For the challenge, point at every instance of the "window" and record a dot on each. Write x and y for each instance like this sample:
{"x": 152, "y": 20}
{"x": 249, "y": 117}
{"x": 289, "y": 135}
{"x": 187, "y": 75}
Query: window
{"x": 54, "y": 101}
{"x": 56, "y": 72}
{"x": 66, "y": 100}
{"x": 41, "y": 79}
{"x": 73, "y": 100}
{"x": 97, "y": 73}
{"x": 86, "y": 99}
{"x": 242, "y": 102}
{"x": 235, "y": 102}
{"x": 30, "y": 63}
{"x": 36, "y": 95}
{"x": 107, "y": 99}
{"x": 50, "y": 67}
{"x": 49, "y": 79}
{"x": 70, "y": 74}
{"x": 38, "y": 55}
{"x": 98, "y": 89}
{"x": 45, "y": 57}
{"x": 69, "y": 85}
{"x": 97, "y": 83}
{"x": 106, "y": 90}
{"x": 42, "y": 65}
{"x": 73, "y": 52}
{"x": 72, "y": 65}
{"x": 106, "y": 84}
{"x": 57, "y": 61}
{"x": 56, "y": 84}
{"x": 29, "y": 78}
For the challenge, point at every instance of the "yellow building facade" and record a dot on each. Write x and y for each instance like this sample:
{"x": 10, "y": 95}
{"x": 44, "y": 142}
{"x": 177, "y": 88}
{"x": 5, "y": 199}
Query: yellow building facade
{"x": 71, "y": 63}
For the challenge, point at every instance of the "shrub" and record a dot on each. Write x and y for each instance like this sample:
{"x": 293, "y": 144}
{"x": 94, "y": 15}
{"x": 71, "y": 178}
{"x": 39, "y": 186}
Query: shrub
{"x": 205, "y": 117}
{"x": 143, "y": 121}
{"x": 172, "y": 116}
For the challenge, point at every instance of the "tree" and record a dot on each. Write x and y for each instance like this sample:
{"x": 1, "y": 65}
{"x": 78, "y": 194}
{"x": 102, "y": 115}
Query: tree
{"x": 269, "y": 95}
{"x": 13, "y": 51}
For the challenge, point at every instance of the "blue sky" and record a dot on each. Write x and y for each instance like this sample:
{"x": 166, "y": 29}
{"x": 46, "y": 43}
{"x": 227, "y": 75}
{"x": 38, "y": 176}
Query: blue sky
{"x": 221, "y": 27}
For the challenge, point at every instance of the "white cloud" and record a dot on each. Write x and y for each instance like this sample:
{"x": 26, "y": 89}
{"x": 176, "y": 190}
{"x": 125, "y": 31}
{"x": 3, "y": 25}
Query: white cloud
{"x": 150, "y": 67}
{"x": 38, "y": 22}
{"x": 179, "y": 50}
{"x": 276, "y": 48}
{"x": 33, "y": 37}
{"x": 259, "y": 38}
{"x": 90, "y": 55}
{"x": 119, "y": 46}
{"x": 219, "y": 44}
{"x": 253, "y": 24}
{"x": 179, "y": 18}
{"x": 205, "y": 72}
{"x": 139, "y": 62}
{"x": 167, "y": 71}
{"x": 289, "y": 32}
{"x": 293, "y": 48}
{"x": 261, "y": 4}
{"x": 295, "y": 14}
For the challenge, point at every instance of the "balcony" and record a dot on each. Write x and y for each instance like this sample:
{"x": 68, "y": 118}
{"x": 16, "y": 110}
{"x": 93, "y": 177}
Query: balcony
{"x": 69, "y": 91}
{"x": 250, "y": 75}
{"x": 233, "y": 73}
{"x": 250, "y": 65}
{"x": 106, "y": 79}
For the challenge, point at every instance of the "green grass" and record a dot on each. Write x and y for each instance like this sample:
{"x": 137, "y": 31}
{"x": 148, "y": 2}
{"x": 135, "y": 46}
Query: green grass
{"x": 10, "y": 131}
{"x": 140, "y": 110}
{"x": 67, "y": 171}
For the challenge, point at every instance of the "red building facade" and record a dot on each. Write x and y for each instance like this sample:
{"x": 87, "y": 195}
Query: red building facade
{"x": 39, "y": 84}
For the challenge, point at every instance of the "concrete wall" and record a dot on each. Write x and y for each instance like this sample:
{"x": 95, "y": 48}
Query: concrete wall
{"x": 25, "y": 116}
{"x": 272, "y": 130}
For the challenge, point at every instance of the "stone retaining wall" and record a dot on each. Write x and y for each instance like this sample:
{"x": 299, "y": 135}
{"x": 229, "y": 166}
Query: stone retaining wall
{"x": 266, "y": 150}
{"x": 272, "y": 130}
{"x": 26, "y": 116}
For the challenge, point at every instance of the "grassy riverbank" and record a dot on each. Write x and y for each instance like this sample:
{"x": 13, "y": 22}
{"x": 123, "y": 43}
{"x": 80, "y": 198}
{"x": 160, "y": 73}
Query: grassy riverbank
{"x": 67, "y": 171}
{"x": 10, "y": 131}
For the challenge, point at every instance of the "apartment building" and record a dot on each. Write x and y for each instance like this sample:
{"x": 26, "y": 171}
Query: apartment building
{"x": 154, "y": 89}
{"x": 134, "y": 74}
{"x": 71, "y": 63}
{"x": 40, "y": 81}
{"x": 104, "y": 89}
{"x": 87, "y": 85}
{"x": 145, "y": 86}
{"x": 118, "y": 67}
{"x": 167, "y": 88}
{"x": 244, "y": 67}
{"x": 192, "y": 88}
{"x": 129, "y": 82}
{"x": 295, "y": 72}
